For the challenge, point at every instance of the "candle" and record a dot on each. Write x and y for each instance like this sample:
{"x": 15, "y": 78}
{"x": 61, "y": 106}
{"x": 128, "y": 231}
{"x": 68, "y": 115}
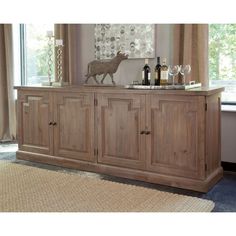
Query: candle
{"x": 49, "y": 33}
{"x": 59, "y": 42}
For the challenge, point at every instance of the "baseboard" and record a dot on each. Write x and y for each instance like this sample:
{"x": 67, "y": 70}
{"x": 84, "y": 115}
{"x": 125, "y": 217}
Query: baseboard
{"x": 8, "y": 141}
{"x": 229, "y": 166}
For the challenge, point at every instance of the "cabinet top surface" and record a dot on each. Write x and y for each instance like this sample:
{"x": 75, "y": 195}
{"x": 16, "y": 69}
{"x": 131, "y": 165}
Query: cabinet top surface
{"x": 121, "y": 89}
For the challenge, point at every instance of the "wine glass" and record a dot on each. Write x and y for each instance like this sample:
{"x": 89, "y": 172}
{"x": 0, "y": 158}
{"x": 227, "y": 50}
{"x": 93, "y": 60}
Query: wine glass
{"x": 173, "y": 70}
{"x": 184, "y": 70}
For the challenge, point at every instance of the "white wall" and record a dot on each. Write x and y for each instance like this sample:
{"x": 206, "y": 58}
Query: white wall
{"x": 228, "y": 136}
{"x": 128, "y": 70}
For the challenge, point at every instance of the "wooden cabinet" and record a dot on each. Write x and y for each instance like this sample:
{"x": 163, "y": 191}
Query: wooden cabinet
{"x": 34, "y": 115}
{"x": 160, "y": 133}
{"x": 176, "y": 142}
{"x": 60, "y": 124}
{"x": 74, "y": 129}
{"x": 121, "y": 118}
{"x": 165, "y": 137}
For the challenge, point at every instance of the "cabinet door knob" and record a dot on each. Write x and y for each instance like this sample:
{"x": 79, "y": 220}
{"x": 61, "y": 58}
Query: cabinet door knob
{"x": 54, "y": 123}
{"x": 147, "y": 132}
{"x": 142, "y": 132}
{"x": 50, "y": 123}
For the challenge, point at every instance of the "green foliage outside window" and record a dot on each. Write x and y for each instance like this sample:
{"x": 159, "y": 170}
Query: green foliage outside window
{"x": 37, "y": 53}
{"x": 222, "y": 58}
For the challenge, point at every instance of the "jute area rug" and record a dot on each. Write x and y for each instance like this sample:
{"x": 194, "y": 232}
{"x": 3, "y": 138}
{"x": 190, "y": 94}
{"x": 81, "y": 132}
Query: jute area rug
{"x": 31, "y": 189}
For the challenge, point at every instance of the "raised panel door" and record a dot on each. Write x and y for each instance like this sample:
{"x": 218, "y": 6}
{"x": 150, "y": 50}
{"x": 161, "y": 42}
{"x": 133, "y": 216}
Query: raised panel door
{"x": 175, "y": 145}
{"x": 74, "y": 128}
{"x": 121, "y": 118}
{"x": 34, "y": 116}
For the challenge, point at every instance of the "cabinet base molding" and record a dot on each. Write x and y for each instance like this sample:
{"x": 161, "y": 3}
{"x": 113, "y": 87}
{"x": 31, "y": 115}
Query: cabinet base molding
{"x": 173, "y": 181}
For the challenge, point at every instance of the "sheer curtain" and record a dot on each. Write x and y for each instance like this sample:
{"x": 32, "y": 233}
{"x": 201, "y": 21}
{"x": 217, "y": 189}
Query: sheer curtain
{"x": 7, "y": 102}
{"x": 70, "y": 66}
{"x": 190, "y": 46}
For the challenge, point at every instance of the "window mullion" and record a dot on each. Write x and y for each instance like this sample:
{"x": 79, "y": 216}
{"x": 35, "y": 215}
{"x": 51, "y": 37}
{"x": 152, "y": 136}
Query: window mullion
{"x": 23, "y": 54}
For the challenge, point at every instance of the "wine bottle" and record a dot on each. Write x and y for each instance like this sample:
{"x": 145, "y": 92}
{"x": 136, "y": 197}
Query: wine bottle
{"x": 146, "y": 74}
{"x": 158, "y": 72}
{"x": 164, "y": 73}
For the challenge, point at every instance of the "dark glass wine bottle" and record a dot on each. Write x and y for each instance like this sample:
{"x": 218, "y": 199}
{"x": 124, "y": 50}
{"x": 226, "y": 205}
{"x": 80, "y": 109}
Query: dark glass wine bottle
{"x": 158, "y": 72}
{"x": 146, "y": 74}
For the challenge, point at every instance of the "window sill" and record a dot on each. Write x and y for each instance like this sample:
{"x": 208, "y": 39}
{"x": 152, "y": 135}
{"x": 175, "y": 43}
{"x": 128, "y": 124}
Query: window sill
{"x": 228, "y": 108}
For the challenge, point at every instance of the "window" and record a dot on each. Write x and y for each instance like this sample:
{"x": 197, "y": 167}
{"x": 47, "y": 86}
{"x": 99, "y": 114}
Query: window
{"x": 33, "y": 53}
{"x": 222, "y": 59}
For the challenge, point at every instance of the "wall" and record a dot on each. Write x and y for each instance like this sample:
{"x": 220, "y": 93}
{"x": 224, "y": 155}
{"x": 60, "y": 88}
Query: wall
{"x": 228, "y": 136}
{"x": 128, "y": 70}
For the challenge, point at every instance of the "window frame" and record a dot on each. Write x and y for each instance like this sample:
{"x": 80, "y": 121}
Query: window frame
{"x": 229, "y": 103}
{"x": 23, "y": 54}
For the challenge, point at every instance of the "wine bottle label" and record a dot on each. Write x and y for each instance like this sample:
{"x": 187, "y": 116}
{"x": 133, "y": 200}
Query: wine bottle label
{"x": 149, "y": 76}
{"x": 143, "y": 75}
{"x": 156, "y": 75}
{"x": 164, "y": 75}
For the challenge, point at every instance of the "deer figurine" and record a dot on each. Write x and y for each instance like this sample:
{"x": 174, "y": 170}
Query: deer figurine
{"x": 97, "y": 67}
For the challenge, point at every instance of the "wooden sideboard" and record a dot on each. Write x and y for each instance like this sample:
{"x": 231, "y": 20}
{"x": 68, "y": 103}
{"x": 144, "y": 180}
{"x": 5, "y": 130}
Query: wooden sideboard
{"x": 169, "y": 137}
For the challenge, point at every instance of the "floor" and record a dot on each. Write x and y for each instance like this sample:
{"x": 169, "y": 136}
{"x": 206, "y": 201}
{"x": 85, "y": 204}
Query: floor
{"x": 223, "y": 193}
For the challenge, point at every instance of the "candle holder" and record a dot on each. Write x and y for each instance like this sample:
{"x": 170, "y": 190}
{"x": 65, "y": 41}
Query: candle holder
{"x": 59, "y": 60}
{"x": 59, "y": 63}
{"x": 50, "y": 59}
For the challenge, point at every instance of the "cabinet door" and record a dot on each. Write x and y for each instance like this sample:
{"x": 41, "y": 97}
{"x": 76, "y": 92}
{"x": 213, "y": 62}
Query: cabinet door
{"x": 74, "y": 129}
{"x": 34, "y": 115}
{"x": 175, "y": 145}
{"x": 121, "y": 118}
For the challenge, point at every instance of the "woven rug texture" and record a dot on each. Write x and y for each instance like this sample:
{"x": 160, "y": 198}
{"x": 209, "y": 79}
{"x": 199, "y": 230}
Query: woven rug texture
{"x": 31, "y": 189}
